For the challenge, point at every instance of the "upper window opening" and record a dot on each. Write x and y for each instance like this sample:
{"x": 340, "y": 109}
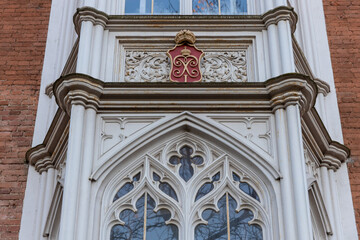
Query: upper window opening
{"x": 224, "y": 7}
{"x": 210, "y": 7}
{"x": 152, "y": 7}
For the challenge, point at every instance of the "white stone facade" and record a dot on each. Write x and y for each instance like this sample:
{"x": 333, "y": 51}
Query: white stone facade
{"x": 262, "y": 111}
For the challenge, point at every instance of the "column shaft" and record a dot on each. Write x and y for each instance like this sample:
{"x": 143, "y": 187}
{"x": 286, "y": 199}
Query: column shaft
{"x": 274, "y": 52}
{"x": 84, "y": 53}
{"x": 49, "y": 190}
{"x": 85, "y": 183}
{"x": 295, "y": 144}
{"x": 285, "y": 183}
{"x": 73, "y": 163}
{"x": 40, "y": 206}
{"x": 286, "y": 50}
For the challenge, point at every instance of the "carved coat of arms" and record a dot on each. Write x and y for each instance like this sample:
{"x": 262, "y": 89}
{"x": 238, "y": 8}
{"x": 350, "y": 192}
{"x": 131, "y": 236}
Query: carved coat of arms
{"x": 185, "y": 58}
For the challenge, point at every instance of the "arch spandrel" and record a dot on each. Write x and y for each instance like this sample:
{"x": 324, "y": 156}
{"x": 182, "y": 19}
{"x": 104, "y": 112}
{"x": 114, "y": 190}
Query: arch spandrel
{"x": 184, "y": 122}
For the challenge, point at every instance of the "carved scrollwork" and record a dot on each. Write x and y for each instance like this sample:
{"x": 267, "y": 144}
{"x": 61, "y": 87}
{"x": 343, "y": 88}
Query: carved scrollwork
{"x": 146, "y": 67}
{"x": 215, "y": 66}
{"x": 225, "y": 67}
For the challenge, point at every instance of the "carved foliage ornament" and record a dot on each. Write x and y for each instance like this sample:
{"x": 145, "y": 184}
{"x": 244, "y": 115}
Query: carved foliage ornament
{"x": 185, "y": 58}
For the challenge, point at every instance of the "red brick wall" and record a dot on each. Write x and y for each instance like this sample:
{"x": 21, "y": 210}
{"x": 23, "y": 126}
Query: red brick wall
{"x": 343, "y": 26}
{"x": 23, "y": 30}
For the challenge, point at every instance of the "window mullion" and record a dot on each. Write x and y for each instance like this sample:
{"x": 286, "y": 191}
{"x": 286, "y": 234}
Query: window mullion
{"x": 227, "y": 216}
{"x": 145, "y": 213}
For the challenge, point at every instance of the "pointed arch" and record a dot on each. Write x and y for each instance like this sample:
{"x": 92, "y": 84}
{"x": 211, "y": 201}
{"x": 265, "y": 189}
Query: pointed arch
{"x": 155, "y": 148}
{"x": 183, "y": 122}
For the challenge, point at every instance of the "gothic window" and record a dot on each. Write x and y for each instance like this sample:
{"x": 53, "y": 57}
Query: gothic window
{"x": 227, "y": 223}
{"x": 186, "y": 189}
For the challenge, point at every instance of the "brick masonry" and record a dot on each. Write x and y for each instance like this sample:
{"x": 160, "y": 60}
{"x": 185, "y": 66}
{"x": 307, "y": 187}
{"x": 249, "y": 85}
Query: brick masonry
{"x": 23, "y": 31}
{"x": 343, "y": 26}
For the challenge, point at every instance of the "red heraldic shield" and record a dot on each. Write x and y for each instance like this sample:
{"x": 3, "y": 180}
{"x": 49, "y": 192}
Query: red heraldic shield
{"x": 185, "y": 63}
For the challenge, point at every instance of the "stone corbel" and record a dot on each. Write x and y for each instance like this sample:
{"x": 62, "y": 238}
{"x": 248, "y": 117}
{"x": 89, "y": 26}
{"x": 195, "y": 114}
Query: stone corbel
{"x": 42, "y": 155}
{"x": 292, "y": 89}
{"x": 281, "y": 14}
{"x": 76, "y": 89}
{"x": 89, "y": 14}
{"x": 334, "y": 156}
{"x": 323, "y": 87}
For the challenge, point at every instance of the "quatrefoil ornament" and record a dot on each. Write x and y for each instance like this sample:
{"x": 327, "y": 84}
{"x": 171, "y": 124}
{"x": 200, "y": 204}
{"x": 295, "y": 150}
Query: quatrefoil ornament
{"x": 186, "y": 170}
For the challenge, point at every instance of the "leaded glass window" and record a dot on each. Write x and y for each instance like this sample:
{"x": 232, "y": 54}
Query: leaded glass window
{"x": 228, "y": 223}
{"x": 144, "y": 223}
{"x": 186, "y": 189}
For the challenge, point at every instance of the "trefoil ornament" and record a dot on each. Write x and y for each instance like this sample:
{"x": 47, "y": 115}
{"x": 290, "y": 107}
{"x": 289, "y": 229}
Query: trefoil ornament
{"x": 185, "y": 58}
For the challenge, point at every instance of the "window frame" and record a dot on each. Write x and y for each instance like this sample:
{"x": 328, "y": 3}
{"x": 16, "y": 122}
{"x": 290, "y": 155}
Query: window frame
{"x": 186, "y": 8}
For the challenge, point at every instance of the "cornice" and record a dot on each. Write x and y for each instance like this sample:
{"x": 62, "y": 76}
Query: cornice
{"x": 275, "y": 93}
{"x": 77, "y": 89}
{"x": 278, "y": 92}
{"x": 178, "y": 22}
{"x": 329, "y": 153}
{"x": 292, "y": 89}
{"x": 41, "y": 156}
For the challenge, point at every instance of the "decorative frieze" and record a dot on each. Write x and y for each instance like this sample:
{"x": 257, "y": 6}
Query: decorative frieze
{"x": 230, "y": 66}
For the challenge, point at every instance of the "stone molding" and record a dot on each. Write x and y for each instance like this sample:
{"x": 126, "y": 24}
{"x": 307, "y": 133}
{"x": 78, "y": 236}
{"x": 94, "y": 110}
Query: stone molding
{"x": 323, "y": 87}
{"x": 278, "y": 14}
{"x": 77, "y": 91}
{"x": 43, "y": 156}
{"x": 180, "y": 22}
{"x": 268, "y": 96}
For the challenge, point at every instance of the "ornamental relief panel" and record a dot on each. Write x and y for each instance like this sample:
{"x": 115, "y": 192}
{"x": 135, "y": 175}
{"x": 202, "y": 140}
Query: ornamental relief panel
{"x": 115, "y": 130}
{"x": 255, "y": 129}
{"x": 142, "y": 66}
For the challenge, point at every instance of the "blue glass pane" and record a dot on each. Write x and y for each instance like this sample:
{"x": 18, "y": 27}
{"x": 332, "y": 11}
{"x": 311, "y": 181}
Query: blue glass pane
{"x": 156, "y": 177}
{"x": 226, "y": 6}
{"x": 233, "y": 6}
{"x": 132, "y": 6}
{"x": 216, "y": 227}
{"x": 134, "y": 224}
{"x": 136, "y": 177}
{"x": 126, "y": 188}
{"x": 123, "y": 191}
{"x": 165, "y": 187}
{"x": 206, "y": 7}
{"x": 186, "y": 171}
{"x": 245, "y": 187}
{"x": 166, "y": 6}
{"x": 217, "y": 224}
{"x": 138, "y": 7}
{"x": 155, "y": 225}
{"x": 207, "y": 187}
